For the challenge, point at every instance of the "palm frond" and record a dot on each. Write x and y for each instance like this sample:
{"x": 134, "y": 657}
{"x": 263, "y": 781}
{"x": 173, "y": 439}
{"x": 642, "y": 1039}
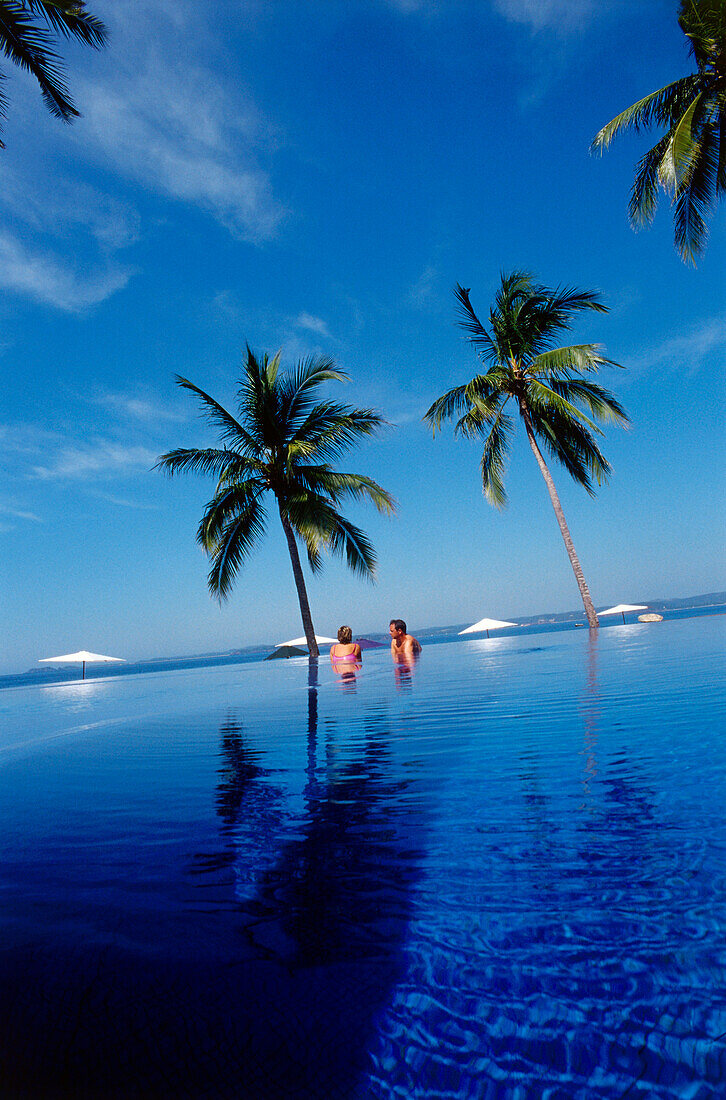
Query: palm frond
{"x": 576, "y": 357}
{"x": 493, "y": 460}
{"x": 683, "y": 149}
{"x": 720, "y": 141}
{"x": 695, "y": 199}
{"x": 236, "y": 542}
{"x": 317, "y": 522}
{"x": 271, "y": 368}
{"x": 70, "y": 18}
{"x": 572, "y": 445}
{"x": 310, "y": 372}
{"x": 450, "y": 404}
{"x": 704, "y": 24}
{"x": 258, "y": 401}
{"x": 644, "y": 192}
{"x": 192, "y": 460}
{"x": 331, "y": 429}
{"x": 661, "y": 108}
{"x": 542, "y": 398}
{"x": 231, "y": 431}
{"x": 477, "y": 334}
{"x": 480, "y": 415}
{"x": 228, "y": 502}
{"x": 552, "y": 312}
{"x": 337, "y": 486}
{"x": 602, "y": 404}
{"x": 30, "y": 47}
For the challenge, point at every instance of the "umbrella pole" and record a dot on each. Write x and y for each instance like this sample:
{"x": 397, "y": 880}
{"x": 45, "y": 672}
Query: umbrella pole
{"x": 623, "y": 614}
{"x": 83, "y": 674}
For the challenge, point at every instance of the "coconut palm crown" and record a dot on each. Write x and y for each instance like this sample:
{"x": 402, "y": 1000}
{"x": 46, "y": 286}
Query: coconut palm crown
{"x": 280, "y": 446}
{"x": 28, "y": 31}
{"x": 545, "y": 386}
{"x": 689, "y": 160}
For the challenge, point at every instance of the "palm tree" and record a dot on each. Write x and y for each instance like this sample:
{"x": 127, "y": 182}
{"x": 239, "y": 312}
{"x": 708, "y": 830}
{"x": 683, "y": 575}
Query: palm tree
{"x": 546, "y": 387}
{"x": 689, "y": 160}
{"x": 28, "y": 29}
{"x": 281, "y": 444}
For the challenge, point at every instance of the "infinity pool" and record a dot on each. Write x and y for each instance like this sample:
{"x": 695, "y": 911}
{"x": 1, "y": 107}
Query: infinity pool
{"x": 502, "y": 875}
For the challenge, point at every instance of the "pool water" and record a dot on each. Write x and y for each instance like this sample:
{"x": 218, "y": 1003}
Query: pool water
{"x": 501, "y": 874}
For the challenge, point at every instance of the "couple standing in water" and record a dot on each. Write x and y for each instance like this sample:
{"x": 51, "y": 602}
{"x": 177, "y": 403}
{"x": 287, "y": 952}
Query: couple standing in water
{"x": 346, "y": 654}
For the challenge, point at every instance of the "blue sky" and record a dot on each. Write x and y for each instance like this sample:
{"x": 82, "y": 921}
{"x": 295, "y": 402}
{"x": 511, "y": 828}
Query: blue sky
{"x": 316, "y": 177}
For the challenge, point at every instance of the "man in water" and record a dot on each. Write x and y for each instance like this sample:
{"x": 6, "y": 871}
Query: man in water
{"x": 404, "y": 647}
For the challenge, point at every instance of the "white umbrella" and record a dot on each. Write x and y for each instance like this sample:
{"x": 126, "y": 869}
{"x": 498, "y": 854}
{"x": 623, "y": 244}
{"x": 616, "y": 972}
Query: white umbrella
{"x": 319, "y": 638}
{"x": 486, "y": 624}
{"x": 621, "y": 608}
{"x": 74, "y": 658}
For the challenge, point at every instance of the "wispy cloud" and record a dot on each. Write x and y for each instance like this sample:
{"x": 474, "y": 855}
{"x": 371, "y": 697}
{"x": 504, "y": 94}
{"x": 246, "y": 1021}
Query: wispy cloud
{"x": 166, "y": 121}
{"x": 18, "y": 513}
{"x": 14, "y": 516}
{"x": 95, "y": 458}
{"x": 689, "y": 349}
{"x": 71, "y": 205}
{"x": 159, "y": 117}
{"x": 139, "y": 407}
{"x": 312, "y": 324}
{"x": 421, "y": 293}
{"x": 408, "y": 6}
{"x": 125, "y": 502}
{"x": 538, "y": 14}
{"x": 45, "y": 278}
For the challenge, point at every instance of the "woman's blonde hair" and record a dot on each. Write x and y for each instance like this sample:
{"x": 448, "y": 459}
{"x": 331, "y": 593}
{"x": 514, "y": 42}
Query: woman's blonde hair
{"x": 345, "y": 635}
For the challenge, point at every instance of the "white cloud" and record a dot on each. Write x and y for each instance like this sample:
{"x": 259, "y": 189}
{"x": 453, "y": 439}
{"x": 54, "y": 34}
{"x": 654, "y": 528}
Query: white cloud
{"x": 46, "y": 279}
{"x": 153, "y": 114}
{"x": 688, "y": 350}
{"x": 124, "y": 502}
{"x": 109, "y": 222}
{"x": 538, "y": 14}
{"x": 139, "y": 408}
{"x": 98, "y": 458}
{"x": 421, "y": 293}
{"x": 18, "y": 513}
{"x": 407, "y": 6}
{"x": 312, "y": 324}
{"x": 177, "y": 130}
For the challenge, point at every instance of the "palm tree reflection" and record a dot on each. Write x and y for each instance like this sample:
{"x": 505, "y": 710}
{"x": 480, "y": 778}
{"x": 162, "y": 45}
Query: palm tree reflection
{"x": 341, "y": 889}
{"x": 324, "y": 899}
{"x": 590, "y": 711}
{"x": 251, "y": 809}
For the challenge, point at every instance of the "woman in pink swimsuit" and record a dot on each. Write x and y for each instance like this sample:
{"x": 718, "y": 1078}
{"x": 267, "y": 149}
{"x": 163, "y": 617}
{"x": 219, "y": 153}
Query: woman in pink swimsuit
{"x": 346, "y": 654}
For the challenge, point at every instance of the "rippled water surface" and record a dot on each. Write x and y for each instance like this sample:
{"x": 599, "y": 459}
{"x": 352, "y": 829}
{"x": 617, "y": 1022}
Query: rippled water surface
{"x": 500, "y": 875}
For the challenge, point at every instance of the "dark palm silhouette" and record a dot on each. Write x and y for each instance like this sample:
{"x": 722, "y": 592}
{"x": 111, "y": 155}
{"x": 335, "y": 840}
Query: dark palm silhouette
{"x": 28, "y": 33}
{"x": 280, "y": 446}
{"x": 324, "y": 926}
{"x": 545, "y": 386}
{"x": 689, "y": 160}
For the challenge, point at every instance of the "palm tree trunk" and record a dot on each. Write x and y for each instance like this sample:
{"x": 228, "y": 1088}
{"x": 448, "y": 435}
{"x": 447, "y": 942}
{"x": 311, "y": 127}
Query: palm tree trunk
{"x": 567, "y": 537}
{"x": 302, "y": 594}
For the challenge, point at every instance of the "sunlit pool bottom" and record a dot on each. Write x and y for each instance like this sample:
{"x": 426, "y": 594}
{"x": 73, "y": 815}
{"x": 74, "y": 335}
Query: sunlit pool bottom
{"x": 501, "y": 876}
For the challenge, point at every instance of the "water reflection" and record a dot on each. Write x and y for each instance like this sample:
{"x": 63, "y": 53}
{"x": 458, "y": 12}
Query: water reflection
{"x": 590, "y": 711}
{"x": 340, "y": 890}
{"x": 347, "y": 676}
{"x": 244, "y": 796}
{"x": 323, "y": 897}
{"x": 403, "y": 672}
